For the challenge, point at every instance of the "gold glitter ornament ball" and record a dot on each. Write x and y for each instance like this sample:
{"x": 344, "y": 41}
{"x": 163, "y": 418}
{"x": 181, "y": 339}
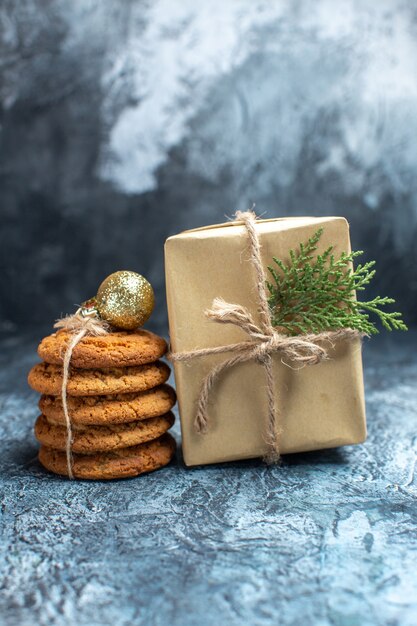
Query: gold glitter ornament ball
{"x": 125, "y": 300}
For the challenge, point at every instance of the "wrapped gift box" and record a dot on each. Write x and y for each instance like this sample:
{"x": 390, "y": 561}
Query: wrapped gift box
{"x": 320, "y": 406}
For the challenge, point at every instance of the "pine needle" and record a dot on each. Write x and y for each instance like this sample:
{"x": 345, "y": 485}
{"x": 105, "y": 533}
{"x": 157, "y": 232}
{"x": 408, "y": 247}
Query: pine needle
{"x": 317, "y": 292}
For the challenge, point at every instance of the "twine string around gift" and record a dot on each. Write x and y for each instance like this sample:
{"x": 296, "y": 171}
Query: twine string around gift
{"x": 264, "y": 342}
{"x": 85, "y": 321}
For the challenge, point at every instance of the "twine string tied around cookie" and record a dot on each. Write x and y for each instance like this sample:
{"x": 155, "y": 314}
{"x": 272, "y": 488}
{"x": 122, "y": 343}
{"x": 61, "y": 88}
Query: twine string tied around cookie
{"x": 84, "y": 322}
{"x": 264, "y": 341}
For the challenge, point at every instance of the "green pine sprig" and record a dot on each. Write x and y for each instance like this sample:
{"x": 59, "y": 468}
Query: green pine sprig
{"x": 316, "y": 292}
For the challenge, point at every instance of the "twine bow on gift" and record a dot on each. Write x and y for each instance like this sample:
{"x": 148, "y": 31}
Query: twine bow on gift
{"x": 264, "y": 342}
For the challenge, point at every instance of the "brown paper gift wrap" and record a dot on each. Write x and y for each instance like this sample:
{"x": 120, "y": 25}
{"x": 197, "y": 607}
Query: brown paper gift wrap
{"x": 320, "y": 406}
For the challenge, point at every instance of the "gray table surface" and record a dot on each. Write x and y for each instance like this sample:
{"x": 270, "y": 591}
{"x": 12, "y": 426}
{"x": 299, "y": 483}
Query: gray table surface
{"x": 328, "y": 538}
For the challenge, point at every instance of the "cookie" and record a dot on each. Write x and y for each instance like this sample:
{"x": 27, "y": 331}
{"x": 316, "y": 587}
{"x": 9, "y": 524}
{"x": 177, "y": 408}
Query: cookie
{"x": 87, "y": 440}
{"x": 116, "y": 349}
{"x": 46, "y": 378}
{"x": 101, "y": 410}
{"x": 122, "y": 463}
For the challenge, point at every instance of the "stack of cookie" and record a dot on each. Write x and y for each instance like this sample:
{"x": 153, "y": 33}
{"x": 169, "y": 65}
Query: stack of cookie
{"x": 117, "y": 400}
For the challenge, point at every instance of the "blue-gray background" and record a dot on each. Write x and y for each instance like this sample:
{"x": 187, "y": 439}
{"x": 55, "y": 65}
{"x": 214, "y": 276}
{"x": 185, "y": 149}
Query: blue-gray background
{"x": 125, "y": 122}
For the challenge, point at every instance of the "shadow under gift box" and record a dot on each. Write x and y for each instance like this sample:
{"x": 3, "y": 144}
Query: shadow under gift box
{"x": 320, "y": 406}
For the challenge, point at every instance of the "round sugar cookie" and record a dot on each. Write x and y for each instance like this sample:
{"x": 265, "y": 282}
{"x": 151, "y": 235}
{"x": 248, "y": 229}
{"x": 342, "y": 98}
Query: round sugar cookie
{"x": 47, "y": 378}
{"x": 123, "y": 463}
{"x": 102, "y": 410}
{"x": 116, "y": 349}
{"x": 88, "y": 440}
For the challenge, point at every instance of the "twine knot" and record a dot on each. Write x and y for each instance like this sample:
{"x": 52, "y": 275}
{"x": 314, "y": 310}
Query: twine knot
{"x": 264, "y": 341}
{"x": 268, "y": 344}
